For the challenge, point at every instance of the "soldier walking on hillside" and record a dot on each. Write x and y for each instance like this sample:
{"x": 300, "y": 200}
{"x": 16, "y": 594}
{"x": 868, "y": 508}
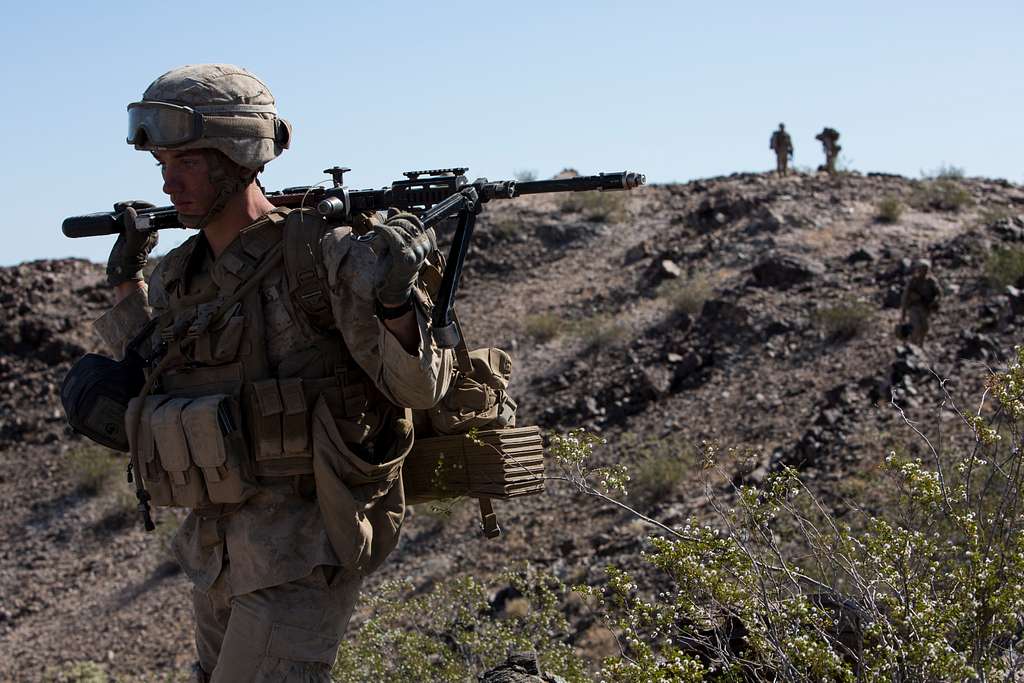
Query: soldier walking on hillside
{"x": 920, "y": 299}
{"x": 829, "y": 138}
{"x": 277, "y": 414}
{"x": 782, "y": 145}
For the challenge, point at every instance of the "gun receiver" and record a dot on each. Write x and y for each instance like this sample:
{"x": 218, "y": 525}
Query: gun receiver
{"x": 432, "y": 195}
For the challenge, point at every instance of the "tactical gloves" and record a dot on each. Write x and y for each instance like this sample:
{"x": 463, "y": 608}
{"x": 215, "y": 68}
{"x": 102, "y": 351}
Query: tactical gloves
{"x": 406, "y": 245}
{"x": 131, "y": 250}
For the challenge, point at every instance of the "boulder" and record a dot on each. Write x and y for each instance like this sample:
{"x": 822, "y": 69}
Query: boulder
{"x": 862, "y": 255}
{"x": 977, "y": 346}
{"x": 782, "y": 271}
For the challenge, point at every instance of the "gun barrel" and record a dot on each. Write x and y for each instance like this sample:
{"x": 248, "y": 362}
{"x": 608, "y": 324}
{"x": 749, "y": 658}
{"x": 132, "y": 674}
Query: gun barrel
{"x": 624, "y": 180}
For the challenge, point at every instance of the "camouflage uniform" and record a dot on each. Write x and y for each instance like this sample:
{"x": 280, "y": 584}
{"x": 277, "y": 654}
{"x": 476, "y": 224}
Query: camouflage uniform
{"x": 782, "y": 145}
{"x": 276, "y": 572}
{"x": 920, "y": 299}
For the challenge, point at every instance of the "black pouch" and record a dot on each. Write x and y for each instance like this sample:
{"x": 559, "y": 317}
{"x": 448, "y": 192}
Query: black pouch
{"x": 95, "y": 395}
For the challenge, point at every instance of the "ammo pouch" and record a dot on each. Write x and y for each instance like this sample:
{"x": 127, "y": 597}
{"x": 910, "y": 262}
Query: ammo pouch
{"x": 498, "y": 463}
{"x": 191, "y": 451}
{"x": 278, "y": 416}
{"x": 95, "y": 395}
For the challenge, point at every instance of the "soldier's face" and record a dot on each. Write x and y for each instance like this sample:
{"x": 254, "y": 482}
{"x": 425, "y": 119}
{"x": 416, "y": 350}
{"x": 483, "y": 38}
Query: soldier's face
{"x": 186, "y": 177}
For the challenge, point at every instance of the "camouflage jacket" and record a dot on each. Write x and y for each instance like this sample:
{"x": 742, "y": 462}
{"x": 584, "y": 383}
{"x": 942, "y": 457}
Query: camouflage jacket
{"x": 279, "y": 535}
{"x": 921, "y": 292}
{"x": 781, "y": 142}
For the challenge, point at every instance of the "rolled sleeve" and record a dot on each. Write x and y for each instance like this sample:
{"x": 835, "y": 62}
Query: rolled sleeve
{"x": 414, "y": 381}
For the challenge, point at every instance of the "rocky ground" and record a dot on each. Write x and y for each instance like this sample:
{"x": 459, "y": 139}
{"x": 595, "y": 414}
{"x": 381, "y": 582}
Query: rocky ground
{"x": 755, "y": 311}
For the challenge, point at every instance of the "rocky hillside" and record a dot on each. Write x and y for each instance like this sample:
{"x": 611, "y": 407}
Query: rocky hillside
{"x": 751, "y": 310}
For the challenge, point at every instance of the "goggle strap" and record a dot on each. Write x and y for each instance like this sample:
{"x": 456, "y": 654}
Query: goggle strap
{"x": 236, "y": 109}
{"x": 239, "y": 126}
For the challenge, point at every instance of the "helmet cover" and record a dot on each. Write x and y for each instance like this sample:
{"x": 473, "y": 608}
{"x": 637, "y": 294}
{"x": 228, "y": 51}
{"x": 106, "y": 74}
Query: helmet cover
{"x": 222, "y": 90}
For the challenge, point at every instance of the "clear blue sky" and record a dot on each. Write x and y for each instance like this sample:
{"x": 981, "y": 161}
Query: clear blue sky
{"x": 677, "y": 90}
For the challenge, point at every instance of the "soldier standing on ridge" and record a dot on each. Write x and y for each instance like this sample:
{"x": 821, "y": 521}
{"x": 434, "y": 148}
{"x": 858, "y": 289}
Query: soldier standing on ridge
{"x": 829, "y": 138}
{"x": 782, "y": 144}
{"x": 920, "y": 299}
{"x": 278, "y": 411}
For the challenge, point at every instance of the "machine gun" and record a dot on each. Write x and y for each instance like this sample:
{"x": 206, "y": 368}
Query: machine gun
{"x": 433, "y": 195}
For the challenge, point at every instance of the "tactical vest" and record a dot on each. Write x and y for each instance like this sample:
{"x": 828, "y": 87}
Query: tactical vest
{"x": 221, "y": 419}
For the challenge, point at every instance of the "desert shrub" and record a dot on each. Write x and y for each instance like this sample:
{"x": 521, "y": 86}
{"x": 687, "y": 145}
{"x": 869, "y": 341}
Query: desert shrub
{"x": 543, "y": 327}
{"x": 942, "y": 194}
{"x": 686, "y": 295}
{"x": 452, "y": 632}
{"x": 80, "y": 672}
{"x": 600, "y": 207}
{"x": 525, "y": 175}
{"x": 93, "y": 469}
{"x": 598, "y": 332}
{"x": 506, "y": 226}
{"x": 889, "y": 209}
{"x": 944, "y": 172}
{"x": 929, "y": 588}
{"x": 844, "y": 320}
{"x": 993, "y": 214}
{"x": 660, "y": 467}
{"x": 1004, "y": 266}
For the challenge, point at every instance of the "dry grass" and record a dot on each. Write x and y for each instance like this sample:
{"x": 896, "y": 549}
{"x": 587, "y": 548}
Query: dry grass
{"x": 686, "y": 295}
{"x": 845, "y": 320}
{"x": 1004, "y": 267}
{"x": 890, "y": 209}
{"x": 601, "y": 207}
{"x": 543, "y": 327}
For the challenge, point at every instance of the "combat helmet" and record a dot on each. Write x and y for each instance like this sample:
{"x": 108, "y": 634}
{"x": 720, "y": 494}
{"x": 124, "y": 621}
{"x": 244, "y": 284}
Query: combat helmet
{"x": 212, "y": 106}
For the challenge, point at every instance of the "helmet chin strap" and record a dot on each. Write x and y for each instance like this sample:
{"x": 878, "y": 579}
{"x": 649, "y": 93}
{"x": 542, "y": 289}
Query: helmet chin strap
{"x": 229, "y": 178}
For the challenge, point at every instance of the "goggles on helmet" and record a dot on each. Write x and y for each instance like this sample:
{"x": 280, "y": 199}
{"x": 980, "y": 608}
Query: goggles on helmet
{"x": 162, "y": 124}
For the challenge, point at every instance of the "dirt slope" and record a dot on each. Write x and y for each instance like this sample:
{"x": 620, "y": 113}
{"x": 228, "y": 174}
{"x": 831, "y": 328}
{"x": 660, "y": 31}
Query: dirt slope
{"x": 689, "y": 312}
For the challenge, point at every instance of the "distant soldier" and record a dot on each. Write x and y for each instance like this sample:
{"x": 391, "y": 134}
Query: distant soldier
{"x": 920, "y": 299}
{"x": 829, "y": 138}
{"x": 782, "y": 144}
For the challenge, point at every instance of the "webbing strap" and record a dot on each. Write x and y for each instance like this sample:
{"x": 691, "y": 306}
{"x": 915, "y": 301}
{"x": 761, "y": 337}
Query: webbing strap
{"x": 488, "y": 520}
{"x": 303, "y": 265}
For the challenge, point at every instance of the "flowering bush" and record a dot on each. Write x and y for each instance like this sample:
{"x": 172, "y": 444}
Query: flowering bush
{"x": 930, "y": 589}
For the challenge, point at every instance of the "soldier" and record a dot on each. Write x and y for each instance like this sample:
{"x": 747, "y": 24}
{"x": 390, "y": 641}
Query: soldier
{"x": 829, "y": 138}
{"x": 782, "y": 144}
{"x": 920, "y": 299}
{"x": 278, "y": 411}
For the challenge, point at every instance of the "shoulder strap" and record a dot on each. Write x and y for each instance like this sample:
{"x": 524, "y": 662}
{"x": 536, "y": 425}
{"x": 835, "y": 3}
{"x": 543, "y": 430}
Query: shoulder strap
{"x": 304, "y": 267}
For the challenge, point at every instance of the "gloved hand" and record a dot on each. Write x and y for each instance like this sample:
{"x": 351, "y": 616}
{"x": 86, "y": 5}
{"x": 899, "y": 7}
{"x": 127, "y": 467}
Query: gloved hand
{"x": 406, "y": 246}
{"x": 131, "y": 250}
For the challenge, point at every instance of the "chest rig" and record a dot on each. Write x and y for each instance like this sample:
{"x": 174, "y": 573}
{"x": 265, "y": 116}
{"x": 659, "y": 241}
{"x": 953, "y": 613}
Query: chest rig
{"x": 223, "y": 417}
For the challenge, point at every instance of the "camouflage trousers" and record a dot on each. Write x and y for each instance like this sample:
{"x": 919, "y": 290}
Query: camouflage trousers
{"x": 781, "y": 164}
{"x": 918, "y": 319}
{"x": 287, "y": 633}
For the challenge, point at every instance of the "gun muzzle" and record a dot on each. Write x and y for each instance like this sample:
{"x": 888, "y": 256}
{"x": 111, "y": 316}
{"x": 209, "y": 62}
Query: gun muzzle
{"x": 631, "y": 180}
